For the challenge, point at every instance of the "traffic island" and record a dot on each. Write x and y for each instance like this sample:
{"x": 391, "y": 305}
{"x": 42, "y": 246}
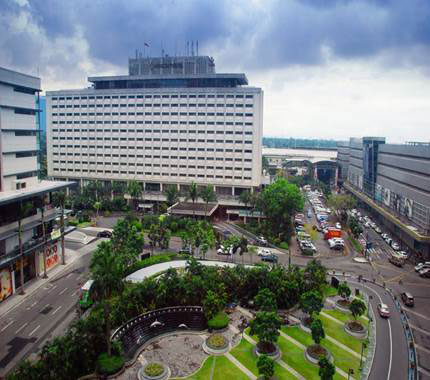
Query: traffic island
{"x": 355, "y": 329}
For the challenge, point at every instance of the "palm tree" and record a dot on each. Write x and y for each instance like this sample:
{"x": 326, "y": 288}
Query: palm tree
{"x": 59, "y": 201}
{"x": 135, "y": 190}
{"x": 41, "y": 204}
{"x": 172, "y": 194}
{"x": 245, "y": 199}
{"x": 193, "y": 194}
{"x": 97, "y": 206}
{"x": 208, "y": 195}
{"x": 23, "y": 212}
{"x": 107, "y": 273}
{"x": 118, "y": 188}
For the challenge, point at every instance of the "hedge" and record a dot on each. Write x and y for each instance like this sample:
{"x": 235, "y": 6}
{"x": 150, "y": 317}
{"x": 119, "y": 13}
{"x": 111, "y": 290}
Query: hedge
{"x": 109, "y": 365}
{"x": 219, "y": 321}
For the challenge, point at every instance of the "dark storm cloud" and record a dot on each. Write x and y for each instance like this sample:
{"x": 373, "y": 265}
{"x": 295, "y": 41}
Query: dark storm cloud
{"x": 258, "y": 34}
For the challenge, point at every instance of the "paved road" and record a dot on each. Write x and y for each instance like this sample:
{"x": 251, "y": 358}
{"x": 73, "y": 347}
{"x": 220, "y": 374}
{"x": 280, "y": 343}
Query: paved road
{"x": 24, "y": 328}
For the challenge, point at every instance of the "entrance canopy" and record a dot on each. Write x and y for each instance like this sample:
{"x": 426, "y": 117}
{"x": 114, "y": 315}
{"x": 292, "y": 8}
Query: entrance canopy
{"x": 188, "y": 208}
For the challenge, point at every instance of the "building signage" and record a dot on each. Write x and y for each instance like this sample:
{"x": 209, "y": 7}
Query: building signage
{"x": 5, "y": 284}
{"x": 51, "y": 256}
{"x": 409, "y": 204}
{"x": 55, "y": 234}
{"x": 386, "y": 197}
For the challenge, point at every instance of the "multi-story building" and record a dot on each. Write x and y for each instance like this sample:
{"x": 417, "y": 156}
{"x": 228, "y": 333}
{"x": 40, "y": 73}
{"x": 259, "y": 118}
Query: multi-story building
{"x": 20, "y": 188}
{"x": 393, "y": 181}
{"x": 170, "y": 121}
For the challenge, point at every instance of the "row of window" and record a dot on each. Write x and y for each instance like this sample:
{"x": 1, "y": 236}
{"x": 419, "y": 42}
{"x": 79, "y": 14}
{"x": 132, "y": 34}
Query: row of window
{"x": 182, "y": 131}
{"x": 150, "y": 105}
{"x": 147, "y": 156}
{"x": 149, "y": 147}
{"x": 156, "y": 174}
{"x": 155, "y": 139}
{"x": 149, "y": 122}
{"x": 219, "y": 114}
{"x": 149, "y": 96}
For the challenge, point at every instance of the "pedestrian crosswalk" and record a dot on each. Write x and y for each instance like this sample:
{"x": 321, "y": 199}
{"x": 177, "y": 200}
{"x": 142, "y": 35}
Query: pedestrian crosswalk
{"x": 375, "y": 252}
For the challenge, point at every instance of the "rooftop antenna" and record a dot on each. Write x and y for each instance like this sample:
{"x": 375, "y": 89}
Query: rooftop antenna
{"x": 192, "y": 48}
{"x": 197, "y": 47}
{"x": 136, "y": 53}
{"x": 188, "y": 48}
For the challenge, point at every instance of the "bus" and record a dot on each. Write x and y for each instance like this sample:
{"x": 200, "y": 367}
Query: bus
{"x": 86, "y": 298}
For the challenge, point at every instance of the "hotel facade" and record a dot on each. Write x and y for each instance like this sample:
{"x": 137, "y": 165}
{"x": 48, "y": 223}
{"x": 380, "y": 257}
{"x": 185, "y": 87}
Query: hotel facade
{"x": 172, "y": 120}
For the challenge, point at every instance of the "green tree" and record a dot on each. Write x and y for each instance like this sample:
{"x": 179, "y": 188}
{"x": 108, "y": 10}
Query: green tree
{"x": 153, "y": 236}
{"x": 172, "y": 194}
{"x": 266, "y": 366}
{"x": 354, "y": 226}
{"x": 311, "y": 302}
{"x": 107, "y": 272}
{"x": 97, "y": 205}
{"x": 128, "y": 240}
{"x": 24, "y": 210}
{"x": 266, "y": 325}
{"x": 193, "y": 195}
{"x": 264, "y": 163}
{"x": 317, "y": 331}
{"x": 212, "y": 304}
{"x": 59, "y": 199}
{"x": 357, "y": 308}
{"x": 118, "y": 189}
{"x": 208, "y": 195}
{"x": 315, "y": 275}
{"x": 135, "y": 190}
{"x": 245, "y": 197}
{"x": 265, "y": 300}
{"x": 343, "y": 290}
{"x": 279, "y": 202}
{"x": 341, "y": 203}
{"x": 243, "y": 246}
{"x": 326, "y": 370}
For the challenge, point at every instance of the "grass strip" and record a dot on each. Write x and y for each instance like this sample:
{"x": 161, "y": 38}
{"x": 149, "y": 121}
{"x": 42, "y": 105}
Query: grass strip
{"x": 337, "y": 332}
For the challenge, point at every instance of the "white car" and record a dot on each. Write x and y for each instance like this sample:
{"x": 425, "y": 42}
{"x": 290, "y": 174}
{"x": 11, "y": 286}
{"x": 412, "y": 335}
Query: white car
{"x": 403, "y": 254}
{"x": 264, "y": 252}
{"x": 384, "y": 236}
{"x": 338, "y": 225}
{"x": 395, "y": 246}
{"x": 262, "y": 240}
{"x": 377, "y": 230}
{"x": 422, "y": 266}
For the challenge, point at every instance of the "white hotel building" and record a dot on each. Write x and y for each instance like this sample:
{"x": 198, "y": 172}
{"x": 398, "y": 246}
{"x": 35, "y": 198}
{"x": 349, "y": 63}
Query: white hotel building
{"x": 172, "y": 120}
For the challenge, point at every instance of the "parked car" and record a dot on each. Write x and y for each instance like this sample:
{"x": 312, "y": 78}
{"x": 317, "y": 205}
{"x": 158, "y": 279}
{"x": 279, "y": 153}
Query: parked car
{"x": 104, "y": 234}
{"x": 262, "y": 240}
{"x": 395, "y": 246}
{"x": 403, "y": 254}
{"x": 272, "y": 258}
{"x": 424, "y": 272}
{"x": 384, "y": 236}
{"x": 422, "y": 266}
{"x": 407, "y": 299}
{"x": 383, "y": 310}
{"x": 388, "y": 240}
{"x": 378, "y": 230}
{"x": 338, "y": 225}
{"x": 264, "y": 252}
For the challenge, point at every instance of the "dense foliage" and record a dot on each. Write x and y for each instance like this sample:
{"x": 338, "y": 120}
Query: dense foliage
{"x": 282, "y": 142}
{"x": 266, "y": 366}
{"x": 219, "y": 321}
{"x": 108, "y": 365}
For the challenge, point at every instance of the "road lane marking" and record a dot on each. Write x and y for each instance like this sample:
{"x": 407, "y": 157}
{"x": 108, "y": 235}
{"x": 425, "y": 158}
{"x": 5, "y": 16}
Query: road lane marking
{"x": 422, "y": 348}
{"x": 5, "y": 327}
{"x": 62, "y": 291}
{"x": 69, "y": 275}
{"x": 422, "y": 331}
{"x": 58, "y": 308}
{"x": 53, "y": 287}
{"x": 415, "y": 313}
{"x": 74, "y": 293}
{"x": 424, "y": 371}
{"x": 25, "y": 324}
{"x": 37, "y": 328}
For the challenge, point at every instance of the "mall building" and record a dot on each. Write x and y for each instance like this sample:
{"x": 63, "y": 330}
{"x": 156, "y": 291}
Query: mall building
{"x": 393, "y": 182}
{"x": 170, "y": 121}
{"x": 38, "y": 250}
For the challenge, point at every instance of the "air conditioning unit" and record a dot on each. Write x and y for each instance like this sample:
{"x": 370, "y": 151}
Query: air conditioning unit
{"x": 19, "y": 185}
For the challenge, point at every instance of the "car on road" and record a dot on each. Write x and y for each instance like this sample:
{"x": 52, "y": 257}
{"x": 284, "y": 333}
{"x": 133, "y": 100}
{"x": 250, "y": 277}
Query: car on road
{"x": 378, "y": 230}
{"x": 383, "y": 310}
{"x": 264, "y": 252}
{"x": 309, "y": 213}
{"x": 366, "y": 225}
{"x": 104, "y": 234}
{"x": 403, "y": 254}
{"x": 384, "y": 236}
{"x": 336, "y": 243}
{"x": 272, "y": 258}
{"x": 407, "y": 299}
{"x": 388, "y": 240}
{"x": 338, "y": 225}
{"x": 395, "y": 246}
{"x": 422, "y": 266}
{"x": 262, "y": 241}
{"x": 424, "y": 272}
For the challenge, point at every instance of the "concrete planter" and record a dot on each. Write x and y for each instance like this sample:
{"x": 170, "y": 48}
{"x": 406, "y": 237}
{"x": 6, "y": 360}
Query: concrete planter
{"x": 210, "y": 350}
{"x": 275, "y": 355}
{"x": 141, "y": 375}
{"x": 356, "y": 334}
{"x": 341, "y": 307}
{"x": 305, "y": 329}
{"x": 313, "y": 360}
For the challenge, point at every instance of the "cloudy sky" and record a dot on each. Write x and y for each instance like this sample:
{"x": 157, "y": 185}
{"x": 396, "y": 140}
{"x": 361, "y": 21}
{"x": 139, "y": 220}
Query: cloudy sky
{"x": 328, "y": 68}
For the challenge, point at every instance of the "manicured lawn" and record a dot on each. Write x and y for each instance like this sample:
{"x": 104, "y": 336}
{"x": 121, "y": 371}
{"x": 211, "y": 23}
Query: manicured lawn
{"x": 329, "y": 291}
{"x": 222, "y": 369}
{"x": 342, "y": 359}
{"x": 344, "y": 317}
{"x": 337, "y": 332}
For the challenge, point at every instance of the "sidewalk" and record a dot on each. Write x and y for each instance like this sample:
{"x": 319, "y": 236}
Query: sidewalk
{"x": 33, "y": 285}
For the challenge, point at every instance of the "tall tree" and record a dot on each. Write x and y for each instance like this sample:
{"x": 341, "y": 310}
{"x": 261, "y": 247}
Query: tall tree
{"x": 317, "y": 331}
{"x": 59, "y": 199}
{"x": 24, "y": 210}
{"x": 265, "y": 300}
{"x": 266, "y": 326}
{"x": 266, "y": 366}
{"x": 119, "y": 188}
{"x": 208, "y": 195}
{"x": 128, "y": 240}
{"x": 135, "y": 190}
{"x": 344, "y": 290}
{"x": 326, "y": 370}
{"x": 193, "y": 195}
{"x": 172, "y": 194}
{"x": 97, "y": 205}
{"x": 107, "y": 272}
{"x": 312, "y": 302}
{"x": 245, "y": 197}
{"x": 357, "y": 308}
{"x": 41, "y": 204}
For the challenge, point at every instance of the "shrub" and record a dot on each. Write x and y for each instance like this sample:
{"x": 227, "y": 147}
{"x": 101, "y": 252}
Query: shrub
{"x": 154, "y": 369}
{"x": 283, "y": 245}
{"x": 149, "y": 261}
{"x": 217, "y": 341}
{"x": 219, "y": 321}
{"x": 73, "y": 223}
{"x": 107, "y": 213}
{"x": 109, "y": 365}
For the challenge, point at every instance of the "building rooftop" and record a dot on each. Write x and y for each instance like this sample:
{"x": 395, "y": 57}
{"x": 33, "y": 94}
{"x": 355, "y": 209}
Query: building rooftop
{"x": 40, "y": 188}
{"x": 14, "y": 78}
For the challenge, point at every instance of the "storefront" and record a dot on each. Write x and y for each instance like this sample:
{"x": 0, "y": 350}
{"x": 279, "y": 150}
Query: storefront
{"x": 29, "y": 270}
{"x": 53, "y": 255}
{"x": 6, "y": 287}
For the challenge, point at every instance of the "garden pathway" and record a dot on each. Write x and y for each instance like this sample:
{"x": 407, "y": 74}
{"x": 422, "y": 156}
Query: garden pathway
{"x": 239, "y": 365}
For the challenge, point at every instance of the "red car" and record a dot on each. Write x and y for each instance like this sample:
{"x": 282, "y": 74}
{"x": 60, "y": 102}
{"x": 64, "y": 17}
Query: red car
{"x": 383, "y": 310}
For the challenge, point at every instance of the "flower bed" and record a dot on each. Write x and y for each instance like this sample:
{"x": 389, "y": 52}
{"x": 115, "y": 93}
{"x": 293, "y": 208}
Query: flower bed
{"x": 269, "y": 349}
{"x": 153, "y": 371}
{"x": 343, "y": 305}
{"x": 355, "y": 329}
{"x": 216, "y": 344}
{"x": 315, "y": 352}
